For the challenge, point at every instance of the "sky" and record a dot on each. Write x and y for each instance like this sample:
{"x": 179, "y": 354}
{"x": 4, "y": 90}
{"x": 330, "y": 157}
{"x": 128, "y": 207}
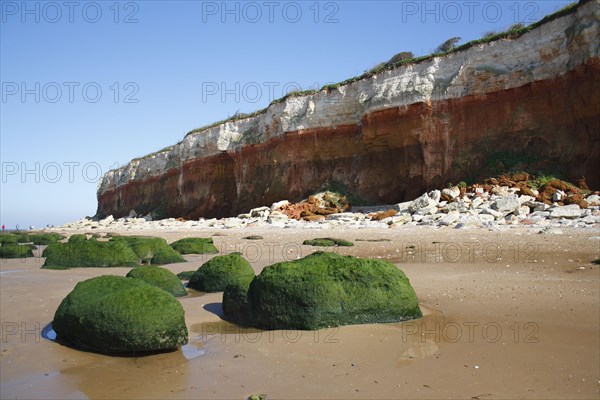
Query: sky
{"x": 89, "y": 85}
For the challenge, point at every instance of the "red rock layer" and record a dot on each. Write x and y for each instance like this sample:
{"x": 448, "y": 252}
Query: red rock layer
{"x": 393, "y": 155}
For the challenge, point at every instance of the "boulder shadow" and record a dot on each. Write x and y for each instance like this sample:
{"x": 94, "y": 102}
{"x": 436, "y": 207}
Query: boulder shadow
{"x": 215, "y": 308}
{"x": 49, "y": 334}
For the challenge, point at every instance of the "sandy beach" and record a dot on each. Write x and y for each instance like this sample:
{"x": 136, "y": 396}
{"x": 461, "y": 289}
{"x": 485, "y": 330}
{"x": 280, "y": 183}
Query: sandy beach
{"x": 509, "y": 314}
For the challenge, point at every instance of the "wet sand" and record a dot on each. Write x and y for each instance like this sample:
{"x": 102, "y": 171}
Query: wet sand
{"x": 510, "y": 314}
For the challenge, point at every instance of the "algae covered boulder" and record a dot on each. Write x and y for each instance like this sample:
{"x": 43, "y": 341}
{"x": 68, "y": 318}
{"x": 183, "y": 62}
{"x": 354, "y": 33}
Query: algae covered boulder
{"x": 323, "y": 290}
{"x": 117, "y": 315}
{"x": 220, "y": 271}
{"x": 151, "y": 250}
{"x": 41, "y": 238}
{"x": 159, "y": 277}
{"x": 195, "y": 246}
{"x": 235, "y": 300}
{"x": 9, "y": 238}
{"x": 89, "y": 253}
{"x": 185, "y": 275}
{"x": 78, "y": 237}
{"x": 15, "y": 250}
{"x": 328, "y": 242}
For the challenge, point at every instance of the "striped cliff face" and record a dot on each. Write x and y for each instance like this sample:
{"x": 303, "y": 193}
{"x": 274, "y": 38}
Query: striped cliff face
{"x": 389, "y": 137}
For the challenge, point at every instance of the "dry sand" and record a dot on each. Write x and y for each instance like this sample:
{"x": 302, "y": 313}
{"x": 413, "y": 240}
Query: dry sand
{"x": 510, "y": 314}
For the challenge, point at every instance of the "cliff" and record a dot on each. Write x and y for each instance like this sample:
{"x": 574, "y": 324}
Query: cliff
{"x": 531, "y": 102}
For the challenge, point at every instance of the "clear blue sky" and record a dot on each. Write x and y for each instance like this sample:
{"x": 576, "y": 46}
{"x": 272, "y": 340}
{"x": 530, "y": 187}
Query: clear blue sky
{"x": 165, "y": 68}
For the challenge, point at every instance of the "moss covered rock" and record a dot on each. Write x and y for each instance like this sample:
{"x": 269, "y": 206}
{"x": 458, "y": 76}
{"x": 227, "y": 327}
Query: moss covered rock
{"x": 9, "y": 238}
{"x": 159, "y": 277}
{"x": 323, "y": 290}
{"x": 15, "y": 250}
{"x": 41, "y": 238}
{"x": 185, "y": 275}
{"x": 89, "y": 253}
{"x": 117, "y": 315}
{"x": 327, "y": 242}
{"x": 235, "y": 300}
{"x": 78, "y": 237}
{"x": 195, "y": 246}
{"x": 220, "y": 271}
{"x": 151, "y": 250}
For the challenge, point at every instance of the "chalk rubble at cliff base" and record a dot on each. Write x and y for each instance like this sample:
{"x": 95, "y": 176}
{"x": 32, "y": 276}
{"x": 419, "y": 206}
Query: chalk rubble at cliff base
{"x": 498, "y": 209}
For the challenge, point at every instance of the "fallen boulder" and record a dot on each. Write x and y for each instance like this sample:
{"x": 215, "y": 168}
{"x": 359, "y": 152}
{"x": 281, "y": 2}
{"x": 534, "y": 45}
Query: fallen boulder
{"x": 89, "y": 253}
{"x": 117, "y": 315}
{"x": 220, "y": 271}
{"x": 151, "y": 250}
{"x": 322, "y": 290}
{"x": 159, "y": 277}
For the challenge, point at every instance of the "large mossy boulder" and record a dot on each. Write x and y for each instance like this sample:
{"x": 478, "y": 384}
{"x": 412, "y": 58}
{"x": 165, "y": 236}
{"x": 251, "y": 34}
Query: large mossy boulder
{"x": 195, "y": 246}
{"x": 117, "y": 315}
{"x": 15, "y": 250}
{"x": 151, "y": 250}
{"x": 159, "y": 277}
{"x": 235, "y": 300}
{"x": 219, "y": 272}
{"x": 89, "y": 253}
{"x": 323, "y": 290}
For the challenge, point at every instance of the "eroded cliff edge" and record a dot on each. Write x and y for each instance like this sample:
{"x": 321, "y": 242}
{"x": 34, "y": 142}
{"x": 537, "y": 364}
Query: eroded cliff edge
{"x": 534, "y": 99}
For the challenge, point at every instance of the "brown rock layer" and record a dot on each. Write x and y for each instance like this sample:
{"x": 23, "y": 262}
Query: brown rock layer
{"x": 394, "y": 154}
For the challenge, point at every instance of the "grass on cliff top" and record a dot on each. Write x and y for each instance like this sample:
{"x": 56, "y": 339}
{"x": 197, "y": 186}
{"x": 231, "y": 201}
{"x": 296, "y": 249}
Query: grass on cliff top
{"x": 510, "y": 34}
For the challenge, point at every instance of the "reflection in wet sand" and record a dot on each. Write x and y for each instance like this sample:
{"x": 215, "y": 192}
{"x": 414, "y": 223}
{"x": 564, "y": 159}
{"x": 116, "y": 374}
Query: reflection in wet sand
{"x": 136, "y": 377}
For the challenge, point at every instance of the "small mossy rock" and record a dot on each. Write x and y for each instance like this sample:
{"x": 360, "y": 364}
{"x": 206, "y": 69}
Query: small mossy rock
{"x": 220, "y": 271}
{"x": 42, "y": 239}
{"x": 78, "y": 237}
{"x": 323, "y": 290}
{"x": 327, "y": 242}
{"x": 6, "y": 238}
{"x": 159, "y": 277}
{"x": 253, "y": 237}
{"x": 195, "y": 246}
{"x": 185, "y": 275}
{"x": 15, "y": 250}
{"x": 89, "y": 253}
{"x": 117, "y": 315}
{"x": 151, "y": 250}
